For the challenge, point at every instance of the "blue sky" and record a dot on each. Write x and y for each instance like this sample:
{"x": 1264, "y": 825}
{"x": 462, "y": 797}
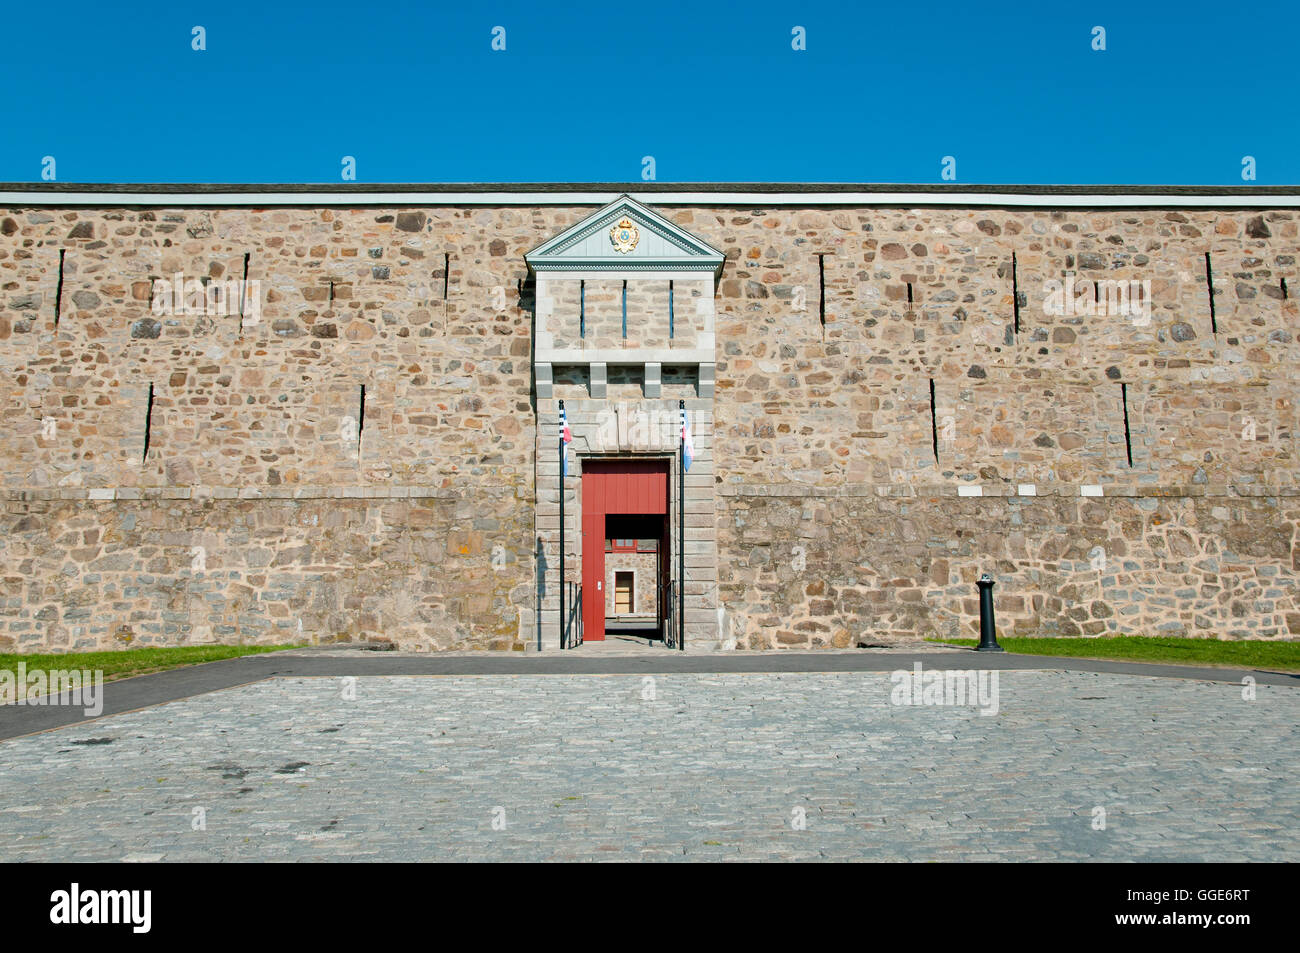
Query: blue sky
{"x": 714, "y": 92}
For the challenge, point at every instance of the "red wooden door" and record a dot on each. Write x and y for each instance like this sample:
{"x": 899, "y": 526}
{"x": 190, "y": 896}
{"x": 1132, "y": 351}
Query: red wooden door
{"x": 619, "y": 487}
{"x": 593, "y": 573}
{"x": 626, "y": 486}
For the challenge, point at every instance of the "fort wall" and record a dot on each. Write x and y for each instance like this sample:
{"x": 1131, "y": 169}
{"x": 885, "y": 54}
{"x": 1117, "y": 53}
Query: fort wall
{"x": 900, "y": 405}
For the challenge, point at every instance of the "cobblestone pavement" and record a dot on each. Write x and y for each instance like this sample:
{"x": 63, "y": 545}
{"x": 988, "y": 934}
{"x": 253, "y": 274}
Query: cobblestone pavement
{"x": 674, "y": 767}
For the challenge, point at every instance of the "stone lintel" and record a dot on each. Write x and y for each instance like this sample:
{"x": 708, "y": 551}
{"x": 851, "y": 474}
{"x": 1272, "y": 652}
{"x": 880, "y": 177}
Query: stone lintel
{"x": 623, "y": 356}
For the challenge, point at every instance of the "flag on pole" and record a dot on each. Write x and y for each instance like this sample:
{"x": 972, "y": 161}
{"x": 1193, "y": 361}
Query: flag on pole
{"x": 688, "y": 445}
{"x": 567, "y": 439}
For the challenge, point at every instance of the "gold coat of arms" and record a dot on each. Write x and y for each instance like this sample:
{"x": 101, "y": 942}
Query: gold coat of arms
{"x": 624, "y": 235}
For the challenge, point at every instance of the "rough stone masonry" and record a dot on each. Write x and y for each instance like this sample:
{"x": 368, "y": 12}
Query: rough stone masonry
{"x": 892, "y": 409}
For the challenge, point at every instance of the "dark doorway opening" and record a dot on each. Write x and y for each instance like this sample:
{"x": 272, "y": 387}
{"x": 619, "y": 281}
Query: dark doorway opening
{"x": 635, "y": 573}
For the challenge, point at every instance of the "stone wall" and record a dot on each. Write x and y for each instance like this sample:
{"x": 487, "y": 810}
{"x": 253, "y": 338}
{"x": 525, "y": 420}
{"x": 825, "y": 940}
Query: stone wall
{"x": 873, "y": 564}
{"x": 601, "y": 301}
{"x": 855, "y": 506}
{"x": 382, "y": 525}
{"x": 832, "y": 327}
{"x": 416, "y": 567}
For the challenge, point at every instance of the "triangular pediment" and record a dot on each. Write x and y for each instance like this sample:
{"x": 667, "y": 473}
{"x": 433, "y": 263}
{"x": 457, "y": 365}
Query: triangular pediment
{"x": 625, "y": 236}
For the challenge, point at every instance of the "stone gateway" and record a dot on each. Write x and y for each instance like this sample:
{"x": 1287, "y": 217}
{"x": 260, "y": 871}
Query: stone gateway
{"x": 269, "y": 414}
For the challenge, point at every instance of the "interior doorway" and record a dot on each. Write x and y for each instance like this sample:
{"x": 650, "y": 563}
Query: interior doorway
{"x": 624, "y": 593}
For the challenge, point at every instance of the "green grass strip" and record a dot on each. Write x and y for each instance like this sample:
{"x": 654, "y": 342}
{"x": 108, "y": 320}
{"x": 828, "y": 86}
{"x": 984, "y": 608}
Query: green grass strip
{"x": 1236, "y": 654}
{"x": 140, "y": 661}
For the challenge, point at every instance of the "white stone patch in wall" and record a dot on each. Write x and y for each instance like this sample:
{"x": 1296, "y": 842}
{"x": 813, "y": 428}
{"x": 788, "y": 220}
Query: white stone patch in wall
{"x": 726, "y": 641}
{"x": 1027, "y": 489}
{"x": 987, "y": 334}
{"x": 603, "y": 437}
{"x": 1090, "y": 489}
{"x": 102, "y": 493}
{"x": 970, "y": 491}
{"x": 635, "y": 427}
{"x": 642, "y": 430}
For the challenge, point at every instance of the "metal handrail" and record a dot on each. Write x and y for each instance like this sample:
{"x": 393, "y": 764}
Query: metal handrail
{"x": 571, "y": 637}
{"x": 670, "y": 614}
{"x": 577, "y": 603}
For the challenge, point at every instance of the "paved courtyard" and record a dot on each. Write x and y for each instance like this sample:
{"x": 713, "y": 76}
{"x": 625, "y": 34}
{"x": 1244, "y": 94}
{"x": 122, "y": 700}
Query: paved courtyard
{"x": 679, "y": 766}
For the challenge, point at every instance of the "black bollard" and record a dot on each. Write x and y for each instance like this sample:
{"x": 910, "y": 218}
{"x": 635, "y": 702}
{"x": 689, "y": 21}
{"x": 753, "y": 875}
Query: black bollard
{"x": 988, "y": 631}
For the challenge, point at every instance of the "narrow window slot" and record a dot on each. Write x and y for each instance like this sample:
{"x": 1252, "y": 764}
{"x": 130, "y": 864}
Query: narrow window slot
{"x": 909, "y": 293}
{"x": 331, "y": 293}
{"x": 148, "y": 423}
{"x": 446, "y": 274}
{"x": 1015, "y": 293}
{"x": 361, "y": 416}
{"x": 58, "y": 292}
{"x": 625, "y": 308}
{"x": 671, "y": 303}
{"x": 243, "y": 292}
{"x": 1209, "y": 286}
{"x": 1128, "y": 436}
{"x": 582, "y": 309}
{"x": 821, "y": 291}
{"x": 934, "y": 425}
{"x": 1284, "y": 293}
